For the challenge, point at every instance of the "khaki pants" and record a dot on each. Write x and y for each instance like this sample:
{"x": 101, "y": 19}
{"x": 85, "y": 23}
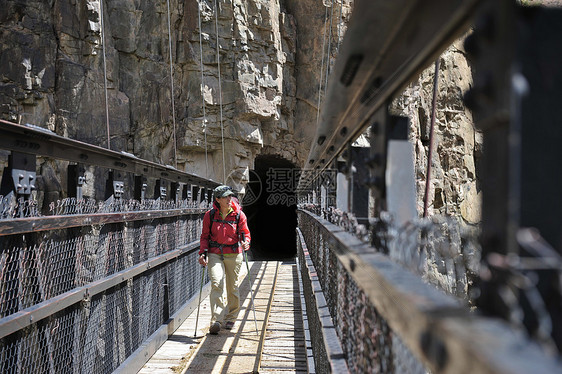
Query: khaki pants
{"x": 219, "y": 271}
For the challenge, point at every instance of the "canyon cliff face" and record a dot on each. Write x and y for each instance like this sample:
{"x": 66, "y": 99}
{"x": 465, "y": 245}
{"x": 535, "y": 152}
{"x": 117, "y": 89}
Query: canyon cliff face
{"x": 258, "y": 97}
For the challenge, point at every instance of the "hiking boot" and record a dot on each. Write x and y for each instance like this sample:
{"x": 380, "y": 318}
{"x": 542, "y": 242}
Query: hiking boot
{"x": 215, "y": 328}
{"x": 229, "y": 325}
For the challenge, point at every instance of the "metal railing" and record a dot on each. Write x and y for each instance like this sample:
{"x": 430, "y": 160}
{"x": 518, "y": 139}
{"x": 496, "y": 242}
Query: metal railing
{"x": 388, "y": 320}
{"x": 87, "y": 284}
{"x": 443, "y": 250}
{"x": 516, "y": 262}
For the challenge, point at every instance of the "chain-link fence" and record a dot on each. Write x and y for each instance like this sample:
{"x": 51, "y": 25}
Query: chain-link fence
{"x": 368, "y": 344}
{"x": 443, "y": 250}
{"x": 123, "y": 299}
{"x": 388, "y": 319}
{"x": 88, "y": 282}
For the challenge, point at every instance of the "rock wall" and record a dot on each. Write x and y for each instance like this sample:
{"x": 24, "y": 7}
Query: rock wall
{"x": 260, "y": 97}
{"x": 454, "y": 186}
{"x": 246, "y": 101}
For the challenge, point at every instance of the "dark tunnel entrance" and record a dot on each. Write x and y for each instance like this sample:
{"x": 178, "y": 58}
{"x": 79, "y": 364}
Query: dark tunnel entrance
{"x": 270, "y": 204}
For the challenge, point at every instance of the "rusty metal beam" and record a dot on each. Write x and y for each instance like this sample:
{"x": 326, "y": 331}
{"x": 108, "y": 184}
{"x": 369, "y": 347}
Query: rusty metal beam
{"x": 38, "y": 141}
{"x": 387, "y": 44}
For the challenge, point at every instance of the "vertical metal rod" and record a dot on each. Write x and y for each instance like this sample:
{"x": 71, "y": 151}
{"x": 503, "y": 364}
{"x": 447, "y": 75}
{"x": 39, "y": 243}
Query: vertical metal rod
{"x": 340, "y": 26}
{"x": 321, "y": 68}
{"x": 172, "y": 86}
{"x": 220, "y": 91}
{"x": 519, "y": 88}
{"x": 199, "y": 305}
{"x": 202, "y": 97}
{"x": 104, "y": 74}
{"x": 431, "y": 126}
{"x": 349, "y": 177}
{"x": 328, "y": 64}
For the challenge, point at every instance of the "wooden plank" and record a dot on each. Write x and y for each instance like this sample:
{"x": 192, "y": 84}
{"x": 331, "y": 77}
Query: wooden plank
{"x": 285, "y": 347}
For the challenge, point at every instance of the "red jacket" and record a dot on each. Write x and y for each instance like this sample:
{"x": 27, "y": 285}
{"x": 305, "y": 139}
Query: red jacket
{"x": 222, "y": 232}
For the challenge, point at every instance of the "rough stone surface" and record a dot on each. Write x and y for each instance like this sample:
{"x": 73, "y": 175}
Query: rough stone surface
{"x": 262, "y": 100}
{"x": 264, "y": 79}
{"x": 454, "y": 188}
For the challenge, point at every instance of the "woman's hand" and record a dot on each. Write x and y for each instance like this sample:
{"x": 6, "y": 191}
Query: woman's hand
{"x": 245, "y": 245}
{"x": 203, "y": 259}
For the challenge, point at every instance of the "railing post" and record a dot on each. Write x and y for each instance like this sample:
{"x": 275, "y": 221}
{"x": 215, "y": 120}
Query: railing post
{"x": 176, "y": 189}
{"x": 140, "y": 188}
{"x": 184, "y": 188}
{"x": 194, "y": 192}
{"x": 76, "y": 180}
{"x": 516, "y": 105}
{"x": 160, "y": 189}
{"x": 400, "y": 191}
{"x": 377, "y": 161}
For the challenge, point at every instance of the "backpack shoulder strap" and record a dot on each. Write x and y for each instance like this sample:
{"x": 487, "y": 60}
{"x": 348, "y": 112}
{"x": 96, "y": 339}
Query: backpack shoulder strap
{"x": 212, "y": 219}
{"x": 238, "y": 225}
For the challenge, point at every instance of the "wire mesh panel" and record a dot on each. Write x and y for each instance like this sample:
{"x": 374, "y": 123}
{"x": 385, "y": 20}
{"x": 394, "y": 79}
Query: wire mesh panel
{"x": 388, "y": 319}
{"x": 100, "y": 331}
{"x": 443, "y": 250}
{"x": 184, "y": 277}
{"x": 84, "y": 282}
{"x": 367, "y": 341}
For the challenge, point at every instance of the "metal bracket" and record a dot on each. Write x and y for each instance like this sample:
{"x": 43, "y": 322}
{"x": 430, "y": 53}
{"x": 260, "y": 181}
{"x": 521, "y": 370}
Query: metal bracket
{"x": 115, "y": 185}
{"x": 20, "y": 175}
{"x": 118, "y": 189}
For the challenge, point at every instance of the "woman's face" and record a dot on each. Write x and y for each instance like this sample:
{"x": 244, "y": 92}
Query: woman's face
{"x": 224, "y": 202}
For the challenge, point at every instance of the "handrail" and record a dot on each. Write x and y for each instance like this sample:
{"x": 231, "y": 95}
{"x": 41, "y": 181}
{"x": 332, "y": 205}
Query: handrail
{"x": 34, "y": 224}
{"x": 140, "y": 264}
{"x": 43, "y": 142}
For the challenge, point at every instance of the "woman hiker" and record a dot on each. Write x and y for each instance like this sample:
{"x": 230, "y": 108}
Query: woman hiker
{"x": 224, "y": 236}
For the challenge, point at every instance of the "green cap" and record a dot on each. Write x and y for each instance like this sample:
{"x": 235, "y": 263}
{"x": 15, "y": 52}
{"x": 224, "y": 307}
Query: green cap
{"x": 222, "y": 191}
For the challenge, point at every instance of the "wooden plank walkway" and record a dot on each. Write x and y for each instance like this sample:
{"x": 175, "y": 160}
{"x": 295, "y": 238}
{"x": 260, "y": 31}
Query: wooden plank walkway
{"x": 237, "y": 350}
{"x": 284, "y": 346}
